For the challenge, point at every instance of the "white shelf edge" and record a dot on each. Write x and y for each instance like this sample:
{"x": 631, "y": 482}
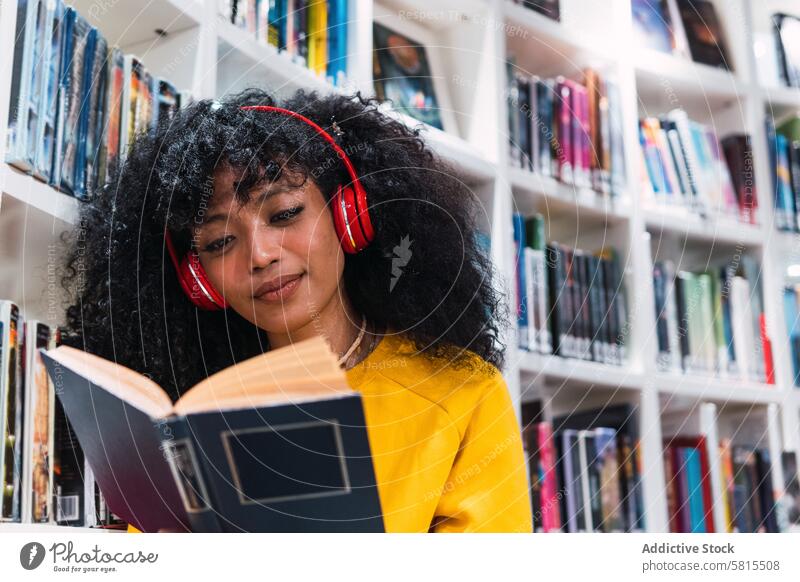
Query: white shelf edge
{"x": 716, "y": 388}
{"x": 571, "y": 370}
{"x": 659, "y": 66}
{"x": 554, "y": 32}
{"x": 595, "y": 203}
{"x": 722, "y": 229}
{"x": 30, "y": 191}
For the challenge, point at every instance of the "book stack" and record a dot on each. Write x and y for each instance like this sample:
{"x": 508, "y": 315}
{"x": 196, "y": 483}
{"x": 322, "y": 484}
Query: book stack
{"x": 312, "y": 32}
{"x": 712, "y": 322}
{"x": 76, "y": 103}
{"x": 43, "y": 475}
{"x": 687, "y": 166}
{"x": 567, "y": 130}
{"x": 783, "y": 143}
{"x": 746, "y": 487}
{"x": 584, "y": 470}
{"x": 686, "y": 28}
{"x": 570, "y": 302}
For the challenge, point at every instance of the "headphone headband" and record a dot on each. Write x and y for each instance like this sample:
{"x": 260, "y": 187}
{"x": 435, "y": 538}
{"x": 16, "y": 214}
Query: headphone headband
{"x": 321, "y": 132}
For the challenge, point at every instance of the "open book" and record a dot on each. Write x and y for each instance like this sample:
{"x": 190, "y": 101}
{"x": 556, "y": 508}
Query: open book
{"x": 275, "y": 443}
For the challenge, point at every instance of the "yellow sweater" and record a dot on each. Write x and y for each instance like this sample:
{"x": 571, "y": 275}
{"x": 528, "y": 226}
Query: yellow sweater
{"x": 445, "y": 442}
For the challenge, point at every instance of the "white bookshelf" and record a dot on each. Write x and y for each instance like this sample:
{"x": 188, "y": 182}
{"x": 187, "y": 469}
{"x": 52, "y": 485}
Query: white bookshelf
{"x": 469, "y": 42}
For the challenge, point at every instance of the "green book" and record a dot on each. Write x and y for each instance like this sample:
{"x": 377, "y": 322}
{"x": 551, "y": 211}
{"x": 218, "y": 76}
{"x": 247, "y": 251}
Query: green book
{"x": 534, "y": 232}
{"x": 708, "y": 335}
{"x": 791, "y": 128}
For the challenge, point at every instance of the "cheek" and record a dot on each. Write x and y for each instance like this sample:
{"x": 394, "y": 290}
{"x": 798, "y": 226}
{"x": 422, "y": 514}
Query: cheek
{"x": 222, "y": 273}
{"x": 324, "y": 254}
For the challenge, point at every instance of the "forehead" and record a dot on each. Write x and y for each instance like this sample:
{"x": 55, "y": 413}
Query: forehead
{"x": 233, "y": 184}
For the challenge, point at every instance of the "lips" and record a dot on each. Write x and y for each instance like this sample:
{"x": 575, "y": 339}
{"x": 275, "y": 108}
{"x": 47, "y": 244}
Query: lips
{"x": 278, "y": 288}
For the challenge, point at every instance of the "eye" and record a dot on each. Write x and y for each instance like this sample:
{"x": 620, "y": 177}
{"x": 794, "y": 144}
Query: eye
{"x": 218, "y": 244}
{"x": 285, "y": 215}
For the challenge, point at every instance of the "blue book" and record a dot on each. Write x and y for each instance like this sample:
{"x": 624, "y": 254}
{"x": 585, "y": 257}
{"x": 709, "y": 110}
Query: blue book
{"x": 208, "y": 464}
{"x": 651, "y": 25}
{"x": 785, "y": 211}
{"x": 337, "y": 40}
{"x": 544, "y": 110}
{"x": 276, "y": 24}
{"x": 727, "y": 324}
{"x": 25, "y": 91}
{"x": 51, "y": 65}
{"x": 522, "y": 302}
{"x": 84, "y": 96}
{"x": 71, "y": 89}
{"x": 694, "y": 489}
{"x": 791, "y": 314}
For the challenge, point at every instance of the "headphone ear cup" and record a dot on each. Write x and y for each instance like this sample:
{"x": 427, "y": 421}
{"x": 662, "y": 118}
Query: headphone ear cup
{"x": 197, "y": 287}
{"x": 337, "y": 209}
{"x": 346, "y": 221}
{"x": 364, "y": 220}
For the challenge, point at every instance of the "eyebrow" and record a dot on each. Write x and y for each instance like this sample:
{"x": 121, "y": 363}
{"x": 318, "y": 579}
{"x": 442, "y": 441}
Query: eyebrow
{"x": 261, "y": 198}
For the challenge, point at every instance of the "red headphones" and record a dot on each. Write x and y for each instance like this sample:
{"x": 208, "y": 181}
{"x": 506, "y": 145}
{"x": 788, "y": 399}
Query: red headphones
{"x": 350, "y": 219}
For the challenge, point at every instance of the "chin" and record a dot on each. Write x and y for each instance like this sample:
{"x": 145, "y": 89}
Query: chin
{"x": 283, "y": 319}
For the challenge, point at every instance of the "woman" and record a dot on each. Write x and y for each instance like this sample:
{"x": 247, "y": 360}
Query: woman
{"x": 247, "y": 193}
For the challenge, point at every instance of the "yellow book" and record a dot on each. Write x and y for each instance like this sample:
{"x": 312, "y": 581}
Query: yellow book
{"x": 318, "y": 36}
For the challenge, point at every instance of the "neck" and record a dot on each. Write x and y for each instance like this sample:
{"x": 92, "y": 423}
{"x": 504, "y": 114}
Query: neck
{"x": 338, "y": 322}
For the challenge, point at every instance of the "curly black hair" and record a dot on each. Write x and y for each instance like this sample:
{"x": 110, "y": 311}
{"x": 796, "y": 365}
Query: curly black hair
{"x": 125, "y": 301}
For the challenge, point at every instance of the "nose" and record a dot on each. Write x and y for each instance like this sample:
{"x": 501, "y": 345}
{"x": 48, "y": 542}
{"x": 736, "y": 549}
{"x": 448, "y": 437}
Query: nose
{"x": 264, "y": 247}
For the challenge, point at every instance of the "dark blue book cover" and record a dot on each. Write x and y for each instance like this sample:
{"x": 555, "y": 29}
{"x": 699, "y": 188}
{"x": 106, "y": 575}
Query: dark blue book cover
{"x": 289, "y": 464}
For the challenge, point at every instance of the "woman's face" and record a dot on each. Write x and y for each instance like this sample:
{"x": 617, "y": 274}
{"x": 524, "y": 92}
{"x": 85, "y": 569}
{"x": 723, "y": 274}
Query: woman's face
{"x": 276, "y": 259}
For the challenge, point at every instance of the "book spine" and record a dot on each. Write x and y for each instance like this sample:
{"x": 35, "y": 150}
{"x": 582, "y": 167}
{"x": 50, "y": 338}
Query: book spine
{"x": 562, "y": 146}
{"x": 534, "y": 120}
{"x": 544, "y": 91}
{"x": 522, "y": 311}
{"x": 551, "y": 519}
{"x": 524, "y": 124}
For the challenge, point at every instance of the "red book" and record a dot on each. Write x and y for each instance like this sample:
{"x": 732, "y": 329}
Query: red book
{"x": 551, "y": 514}
{"x": 766, "y": 348}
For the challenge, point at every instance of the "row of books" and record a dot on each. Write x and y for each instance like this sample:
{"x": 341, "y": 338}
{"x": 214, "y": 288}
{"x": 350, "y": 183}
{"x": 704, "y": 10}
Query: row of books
{"x": 567, "y": 130}
{"x": 783, "y": 143}
{"x": 312, "y": 32}
{"x": 746, "y": 487}
{"x": 584, "y": 470}
{"x": 687, "y": 166}
{"x": 43, "y": 475}
{"x": 712, "y": 322}
{"x": 686, "y": 28}
{"x": 76, "y": 102}
{"x": 570, "y": 302}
